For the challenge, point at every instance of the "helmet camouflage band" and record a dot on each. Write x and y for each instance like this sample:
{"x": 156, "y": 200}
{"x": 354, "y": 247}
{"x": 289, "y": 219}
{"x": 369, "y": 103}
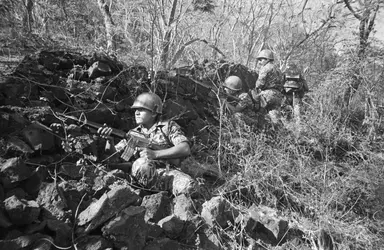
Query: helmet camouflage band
{"x": 149, "y": 101}
{"x": 233, "y": 83}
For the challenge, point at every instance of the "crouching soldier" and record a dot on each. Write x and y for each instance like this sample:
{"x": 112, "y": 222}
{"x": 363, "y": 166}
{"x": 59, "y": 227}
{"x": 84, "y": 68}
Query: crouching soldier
{"x": 295, "y": 87}
{"x": 238, "y": 102}
{"x": 156, "y": 169}
{"x": 267, "y": 92}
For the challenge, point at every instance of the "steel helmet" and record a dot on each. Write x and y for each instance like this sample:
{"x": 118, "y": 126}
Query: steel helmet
{"x": 266, "y": 53}
{"x": 233, "y": 83}
{"x": 149, "y": 101}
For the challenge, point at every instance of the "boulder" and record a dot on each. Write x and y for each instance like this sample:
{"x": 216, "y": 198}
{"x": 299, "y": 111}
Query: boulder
{"x": 20, "y": 211}
{"x": 183, "y": 207}
{"x": 163, "y": 244}
{"x": 38, "y": 138}
{"x": 127, "y": 229}
{"x": 62, "y": 230}
{"x": 25, "y": 242}
{"x": 264, "y": 224}
{"x": 94, "y": 242}
{"x": 218, "y": 211}
{"x": 4, "y": 221}
{"x": 14, "y": 170}
{"x": 157, "y": 206}
{"x": 53, "y": 205}
{"x": 106, "y": 207}
{"x": 172, "y": 225}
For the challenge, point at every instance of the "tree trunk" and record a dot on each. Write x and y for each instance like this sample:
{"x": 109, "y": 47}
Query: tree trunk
{"x": 108, "y": 22}
{"x": 164, "y": 56}
{"x": 367, "y": 20}
{"x": 28, "y": 18}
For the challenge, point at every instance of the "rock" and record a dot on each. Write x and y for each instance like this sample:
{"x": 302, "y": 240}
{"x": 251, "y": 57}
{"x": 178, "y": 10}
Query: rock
{"x": 74, "y": 192}
{"x": 106, "y": 207}
{"x": 15, "y": 143}
{"x": 32, "y": 184}
{"x": 23, "y": 242}
{"x": 2, "y": 194}
{"x": 63, "y": 232}
{"x": 154, "y": 230}
{"x": 262, "y": 223}
{"x": 208, "y": 240}
{"x": 157, "y": 206}
{"x": 38, "y": 138}
{"x": 14, "y": 170}
{"x": 94, "y": 243}
{"x": 35, "y": 227}
{"x": 99, "y": 69}
{"x": 51, "y": 202}
{"x": 71, "y": 170}
{"x": 218, "y": 211}
{"x": 18, "y": 192}
{"x": 163, "y": 244}
{"x": 127, "y": 229}
{"x": 172, "y": 225}
{"x": 20, "y": 211}
{"x": 4, "y": 221}
{"x": 183, "y": 207}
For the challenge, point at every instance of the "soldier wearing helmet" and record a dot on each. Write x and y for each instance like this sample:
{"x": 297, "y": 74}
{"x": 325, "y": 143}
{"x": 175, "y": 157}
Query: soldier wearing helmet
{"x": 156, "y": 169}
{"x": 238, "y": 102}
{"x": 295, "y": 87}
{"x": 267, "y": 92}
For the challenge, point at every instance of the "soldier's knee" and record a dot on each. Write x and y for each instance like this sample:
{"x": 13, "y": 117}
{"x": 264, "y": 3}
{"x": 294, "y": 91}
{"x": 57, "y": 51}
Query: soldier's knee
{"x": 144, "y": 172}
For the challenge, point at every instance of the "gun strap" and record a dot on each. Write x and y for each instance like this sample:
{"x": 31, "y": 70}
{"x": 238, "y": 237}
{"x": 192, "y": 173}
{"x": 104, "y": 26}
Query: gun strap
{"x": 170, "y": 144}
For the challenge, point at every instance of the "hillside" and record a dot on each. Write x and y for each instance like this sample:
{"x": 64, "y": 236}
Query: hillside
{"x": 308, "y": 182}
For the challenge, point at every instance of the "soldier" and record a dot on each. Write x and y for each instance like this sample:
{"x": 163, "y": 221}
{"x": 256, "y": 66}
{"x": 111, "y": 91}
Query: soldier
{"x": 295, "y": 87}
{"x": 267, "y": 93}
{"x": 238, "y": 102}
{"x": 156, "y": 169}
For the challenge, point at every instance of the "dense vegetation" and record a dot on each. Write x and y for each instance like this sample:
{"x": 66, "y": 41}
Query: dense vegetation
{"x": 325, "y": 171}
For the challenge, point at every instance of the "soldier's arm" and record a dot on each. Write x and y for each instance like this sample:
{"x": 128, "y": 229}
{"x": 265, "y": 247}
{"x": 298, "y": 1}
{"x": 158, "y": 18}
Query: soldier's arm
{"x": 261, "y": 80}
{"x": 178, "y": 151}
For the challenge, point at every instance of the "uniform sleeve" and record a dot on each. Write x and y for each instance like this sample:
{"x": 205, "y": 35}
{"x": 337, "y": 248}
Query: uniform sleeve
{"x": 261, "y": 80}
{"x": 176, "y": 135}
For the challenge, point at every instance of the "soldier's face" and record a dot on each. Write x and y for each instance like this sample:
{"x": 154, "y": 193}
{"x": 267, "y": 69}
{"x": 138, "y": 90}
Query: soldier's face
{"x": 144, "y": 116}
{"x": 262, "y": 61}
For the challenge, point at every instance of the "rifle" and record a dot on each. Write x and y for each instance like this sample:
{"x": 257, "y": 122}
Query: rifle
{"x": 134, "y": 139}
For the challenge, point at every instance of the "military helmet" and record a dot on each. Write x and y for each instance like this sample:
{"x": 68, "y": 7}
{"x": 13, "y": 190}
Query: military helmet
{"x": 233, "y": 83}
{"x": 149, "y": 101}
{"x": 266, "y": 53}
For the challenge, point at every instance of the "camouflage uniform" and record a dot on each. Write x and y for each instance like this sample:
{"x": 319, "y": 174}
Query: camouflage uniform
{"x": 269, "y": 82}
{"x": 248, "y": 114}
{"x": 155, "y": 174}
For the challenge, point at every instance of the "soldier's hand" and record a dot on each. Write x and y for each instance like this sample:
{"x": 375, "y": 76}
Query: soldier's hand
{"x": 148, "y": 154}
{"x": 105, "y": 132}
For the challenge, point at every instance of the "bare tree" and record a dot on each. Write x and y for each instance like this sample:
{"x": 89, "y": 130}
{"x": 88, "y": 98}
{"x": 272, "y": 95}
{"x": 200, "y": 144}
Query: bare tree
{"x": 28, "y": 17}
{"x": 108, "y": 22}
{"x": 365, "y": 12}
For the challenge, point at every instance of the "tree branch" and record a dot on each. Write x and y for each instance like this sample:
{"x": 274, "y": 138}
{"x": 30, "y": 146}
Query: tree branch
{"x": 348, "y": 5}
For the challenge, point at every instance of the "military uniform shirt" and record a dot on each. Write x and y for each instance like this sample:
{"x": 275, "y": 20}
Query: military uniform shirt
{"x": 269, "y": 78}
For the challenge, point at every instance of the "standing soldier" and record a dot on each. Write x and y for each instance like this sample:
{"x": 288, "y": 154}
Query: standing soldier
{"x": 238, "y": 102}
{"x": 156, "y": 169}
{"x": 267, "y": 93}
{"x": 295, "y": 87}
